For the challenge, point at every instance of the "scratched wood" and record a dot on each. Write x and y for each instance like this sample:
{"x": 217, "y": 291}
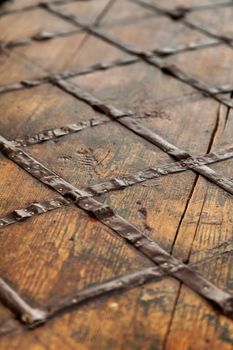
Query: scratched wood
{"x": 51, "y": 256}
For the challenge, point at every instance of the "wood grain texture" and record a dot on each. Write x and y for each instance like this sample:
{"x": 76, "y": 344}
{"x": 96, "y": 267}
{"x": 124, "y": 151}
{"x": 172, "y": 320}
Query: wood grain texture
{"x": 51, "y": 256}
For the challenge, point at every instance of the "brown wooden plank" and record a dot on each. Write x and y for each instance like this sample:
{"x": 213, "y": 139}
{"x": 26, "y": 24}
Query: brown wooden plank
{"x": 57, "y": 253}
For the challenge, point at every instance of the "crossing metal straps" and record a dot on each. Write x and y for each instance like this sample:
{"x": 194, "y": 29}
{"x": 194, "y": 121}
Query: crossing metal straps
{"x": 123, "y": 228}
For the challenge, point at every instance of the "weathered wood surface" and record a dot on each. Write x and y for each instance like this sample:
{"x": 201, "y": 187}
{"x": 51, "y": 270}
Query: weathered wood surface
{"x": 55, "y": 254}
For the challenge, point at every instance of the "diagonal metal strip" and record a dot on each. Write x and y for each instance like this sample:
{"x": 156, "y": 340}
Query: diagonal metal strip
{"x": 33, "y": 209}
{"x": 118, "y": 284}
{"x": 162, "y": 51}
{"x": 27, "y": 84}
{"x": 42, "y": 36}
{"x": 27, "y": 314}
{"x": 228, "y": 40}
{"x": 123, "y": 228}
{"x": 179, "y": 13}
{"x": 131, "y": 123}
{"x": 145, "y": 55}
{"x": 31, "y": 83}
{"x": 57, "y": 132}
{"x": 117, "y": 183}
{"x": 33, "y": 317}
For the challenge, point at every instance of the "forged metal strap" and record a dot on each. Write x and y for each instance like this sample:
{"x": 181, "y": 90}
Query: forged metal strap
{"x": 129, "y": 232}
{"x": 192, "y": 46}
{"x": 20, "y": 307}
{"x": 116, "y": 183}
{"x": 163, "y": 51}
{"x": 146, "y": 55}
{"x": 117, "y": 284}
{"x": 158, "y": 171}
{"x": 136, "y": 126}
{"x": 51, "y": 134}
{"x": 34, "y": 317}
{"x": 26, "y": 84}
{"x": 22, "y": 85}
{"x": 42, "y": 36}
{"x": 35, "y": 168}
{"x": 177, "y": 73}
{"x": 212, "y": 91}
{"x": 35, "y": 208}
{"x": 210, "y": 32}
